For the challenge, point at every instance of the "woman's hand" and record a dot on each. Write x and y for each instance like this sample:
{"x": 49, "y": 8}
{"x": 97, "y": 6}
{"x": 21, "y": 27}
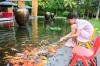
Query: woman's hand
{"x": 63, "y": 39}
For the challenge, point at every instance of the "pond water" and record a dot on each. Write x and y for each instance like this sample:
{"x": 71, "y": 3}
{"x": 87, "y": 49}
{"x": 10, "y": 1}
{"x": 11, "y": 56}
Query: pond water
{"x": 35, "y": 31}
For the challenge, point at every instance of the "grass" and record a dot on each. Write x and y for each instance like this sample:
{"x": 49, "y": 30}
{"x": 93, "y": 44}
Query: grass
{"x": 96, "y": 24}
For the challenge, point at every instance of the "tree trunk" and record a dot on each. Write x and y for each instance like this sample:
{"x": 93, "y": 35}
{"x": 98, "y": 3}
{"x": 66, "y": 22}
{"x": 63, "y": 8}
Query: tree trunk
{"x": 21, "y": 3}
{"x": 34, "y": 7}
{"x": 83, "y": 13}
{"x": 34, "y": 21}
{"x": 87, "y": 16}
{"x": 98, "y": 11}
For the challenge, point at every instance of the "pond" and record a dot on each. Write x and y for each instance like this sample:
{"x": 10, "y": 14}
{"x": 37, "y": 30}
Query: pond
{"x": 14, "y": 40}
{"x": 34, "y": 33}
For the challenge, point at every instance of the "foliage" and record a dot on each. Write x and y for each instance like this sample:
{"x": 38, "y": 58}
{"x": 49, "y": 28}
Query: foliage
{"x": 2, "y": 0}
{"x": 85, "y": 8}
{"x": 70, "y": 4}
{"x": 96, "y": 24}
{"x": 51, "y": 5}
{"x": 28, "y": 3}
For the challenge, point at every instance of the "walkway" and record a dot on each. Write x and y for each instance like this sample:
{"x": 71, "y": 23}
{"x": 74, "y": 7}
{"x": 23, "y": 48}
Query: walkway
{"x": 63, "y": 56}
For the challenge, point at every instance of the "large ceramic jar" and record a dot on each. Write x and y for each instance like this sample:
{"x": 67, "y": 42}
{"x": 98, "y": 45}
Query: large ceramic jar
{"x": 21, "y": 16}
{"x": 47, "y": 16}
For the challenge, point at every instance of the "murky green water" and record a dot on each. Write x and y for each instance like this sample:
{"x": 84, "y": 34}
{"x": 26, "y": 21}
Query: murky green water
{"x": 52, "y": 32}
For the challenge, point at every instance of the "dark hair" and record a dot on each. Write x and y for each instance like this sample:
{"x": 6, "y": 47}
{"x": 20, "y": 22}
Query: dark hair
{"x": 71, "y": 15}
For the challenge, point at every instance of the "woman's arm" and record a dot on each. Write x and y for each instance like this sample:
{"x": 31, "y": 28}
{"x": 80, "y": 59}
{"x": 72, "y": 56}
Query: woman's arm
{"x": 74, "y": 32}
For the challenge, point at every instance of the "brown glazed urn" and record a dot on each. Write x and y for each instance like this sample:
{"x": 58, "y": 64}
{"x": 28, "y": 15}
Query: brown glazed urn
{"x": 21, "y": 16}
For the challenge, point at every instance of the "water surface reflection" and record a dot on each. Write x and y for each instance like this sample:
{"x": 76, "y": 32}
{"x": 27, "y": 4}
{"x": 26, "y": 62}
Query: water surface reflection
{"x": 35, "y": 31}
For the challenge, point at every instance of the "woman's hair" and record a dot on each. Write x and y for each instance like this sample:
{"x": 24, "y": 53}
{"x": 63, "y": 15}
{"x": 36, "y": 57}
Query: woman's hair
{"x": 71, "y": 15}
